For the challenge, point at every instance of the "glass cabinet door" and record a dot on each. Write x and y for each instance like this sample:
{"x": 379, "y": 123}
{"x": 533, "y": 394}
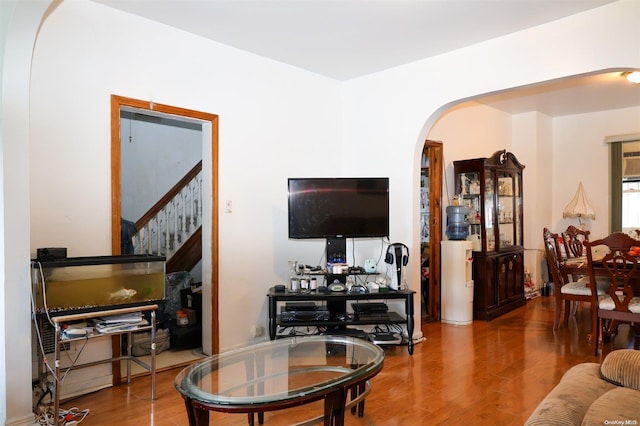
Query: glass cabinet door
{"x": 517, "y": 214}
{"x": 489, "y": 213}
{"x": 506, "y": 209}
{"x": 471, "y": 197}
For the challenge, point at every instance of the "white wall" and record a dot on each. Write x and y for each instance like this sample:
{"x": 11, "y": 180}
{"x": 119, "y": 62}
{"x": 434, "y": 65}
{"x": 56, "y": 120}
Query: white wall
{"x": 580, "y": 154}
{"x": 533, "y": 141}
{"x": 468, "y": 131}
{"x": 275, "y": 121}
{"x": 404, "y": 102}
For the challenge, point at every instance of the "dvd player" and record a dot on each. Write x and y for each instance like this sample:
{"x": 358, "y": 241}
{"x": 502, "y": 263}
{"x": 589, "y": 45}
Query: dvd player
{"x": 369, "y": 308}
{"x": 375, "y": 316}
{"x": 300, "y": 306}
{"x": 305, "y": 315}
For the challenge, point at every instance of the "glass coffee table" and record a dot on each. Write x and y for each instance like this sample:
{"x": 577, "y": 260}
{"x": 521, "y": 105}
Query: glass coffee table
{"x": 280, "y": 374}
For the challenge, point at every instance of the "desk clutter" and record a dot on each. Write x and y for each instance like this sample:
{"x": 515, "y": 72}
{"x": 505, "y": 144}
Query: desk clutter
{"x": 110, "y": 324}
{"x": 129, "y": 321}
{"x": 336, "y": 277}
{"x": 117, "y": 324}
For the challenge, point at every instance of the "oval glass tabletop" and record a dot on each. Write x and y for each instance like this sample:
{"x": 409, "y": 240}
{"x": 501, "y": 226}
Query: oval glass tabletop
{"x": 279, "y": 370}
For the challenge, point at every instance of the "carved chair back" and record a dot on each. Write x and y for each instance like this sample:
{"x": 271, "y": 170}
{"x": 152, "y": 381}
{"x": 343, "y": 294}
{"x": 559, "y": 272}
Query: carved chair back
{"x": 552, "y": 250}
{"x": 619, "y": 268}
{"x": 574, "y": 239}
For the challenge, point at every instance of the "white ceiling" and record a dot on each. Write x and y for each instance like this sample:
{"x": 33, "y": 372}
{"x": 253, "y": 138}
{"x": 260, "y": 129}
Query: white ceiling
{"x": 345, "y": 39}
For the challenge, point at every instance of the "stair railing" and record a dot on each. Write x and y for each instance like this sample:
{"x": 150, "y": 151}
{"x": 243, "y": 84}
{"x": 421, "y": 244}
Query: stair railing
{"x": 166, "y": 226}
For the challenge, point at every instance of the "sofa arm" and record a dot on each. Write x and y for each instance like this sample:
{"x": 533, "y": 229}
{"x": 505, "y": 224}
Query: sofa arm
{"x": 569, "y": 400}
{"x": 622, "y": 368}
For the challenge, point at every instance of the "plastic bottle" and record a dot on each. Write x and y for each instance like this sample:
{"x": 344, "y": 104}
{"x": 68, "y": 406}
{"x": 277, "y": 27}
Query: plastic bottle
{"x": 182, "y": 319}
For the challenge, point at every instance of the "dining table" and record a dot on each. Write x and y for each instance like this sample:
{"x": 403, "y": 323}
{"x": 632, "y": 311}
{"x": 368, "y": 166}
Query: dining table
{"x": 577, "y": 267}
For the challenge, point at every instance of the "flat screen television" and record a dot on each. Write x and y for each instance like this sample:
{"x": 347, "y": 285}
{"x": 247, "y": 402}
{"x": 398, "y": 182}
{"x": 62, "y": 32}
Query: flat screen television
{"x": 338, "y": 208}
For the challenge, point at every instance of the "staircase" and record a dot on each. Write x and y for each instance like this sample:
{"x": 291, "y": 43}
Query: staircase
{"x": 173, "y": 226}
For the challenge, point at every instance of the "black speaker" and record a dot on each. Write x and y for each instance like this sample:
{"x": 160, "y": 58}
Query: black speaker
{"x": 395, "y": 251}
{"x": 51, "y": 253}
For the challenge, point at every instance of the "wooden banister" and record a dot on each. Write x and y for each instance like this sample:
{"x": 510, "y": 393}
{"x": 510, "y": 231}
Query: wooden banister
{"x": 153, "y": 211}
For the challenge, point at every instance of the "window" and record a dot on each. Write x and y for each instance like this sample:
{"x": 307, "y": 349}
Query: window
{"x": 624, "y": 173}
{"x": 631, "y": 204}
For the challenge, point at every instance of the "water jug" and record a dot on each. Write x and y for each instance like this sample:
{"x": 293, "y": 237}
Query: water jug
{"x": 457, "y": 222}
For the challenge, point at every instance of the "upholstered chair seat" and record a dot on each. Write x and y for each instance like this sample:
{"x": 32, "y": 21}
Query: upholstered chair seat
{"x": 606, "y": 302}
{"x": 581, "y": 287}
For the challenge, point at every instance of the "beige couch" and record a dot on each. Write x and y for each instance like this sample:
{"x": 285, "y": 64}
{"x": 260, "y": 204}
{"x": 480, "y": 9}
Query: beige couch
{"x": 595, "y": 394}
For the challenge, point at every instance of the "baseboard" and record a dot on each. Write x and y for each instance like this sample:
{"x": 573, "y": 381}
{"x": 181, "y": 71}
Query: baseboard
{"x": 28, "y": 420}
{"x": 71, "y": 390}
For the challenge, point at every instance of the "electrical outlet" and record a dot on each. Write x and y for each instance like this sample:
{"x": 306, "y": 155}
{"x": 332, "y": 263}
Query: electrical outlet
{"x": 228, "y": 207}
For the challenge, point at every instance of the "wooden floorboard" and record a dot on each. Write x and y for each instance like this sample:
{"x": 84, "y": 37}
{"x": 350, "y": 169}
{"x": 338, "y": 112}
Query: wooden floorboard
{"x": 486, "y": 373}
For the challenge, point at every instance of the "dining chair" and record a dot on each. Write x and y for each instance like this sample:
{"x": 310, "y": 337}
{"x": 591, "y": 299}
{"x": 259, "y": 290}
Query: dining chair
{"x": 567, "y": 292}
{"x": 574, "y": 239}
{"x": 619, "y": 269}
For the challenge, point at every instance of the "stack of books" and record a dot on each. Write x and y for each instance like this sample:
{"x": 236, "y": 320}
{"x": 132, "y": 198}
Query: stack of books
{"x": 116, "y": 323}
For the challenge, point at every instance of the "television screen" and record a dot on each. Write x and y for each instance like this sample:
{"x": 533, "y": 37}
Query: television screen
{"x": 338, "y": 207}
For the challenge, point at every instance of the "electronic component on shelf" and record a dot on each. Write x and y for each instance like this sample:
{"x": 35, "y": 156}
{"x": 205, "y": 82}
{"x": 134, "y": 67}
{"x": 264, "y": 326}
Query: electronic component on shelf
{"x": 345, "y": 331}
{"x": 375, "y": 311}
{"x": 373, "y": 287}
{"x": 303, "y": 311}
{"x": 337, "y": 287}
{"x": 369, "y": 307}
{"x": 300, "y": 306}
{"x": 388, "y": 338}
{"x": 358, "y": 289}
{"x": 314, "y": 315}
{"x": 75, "y": 332}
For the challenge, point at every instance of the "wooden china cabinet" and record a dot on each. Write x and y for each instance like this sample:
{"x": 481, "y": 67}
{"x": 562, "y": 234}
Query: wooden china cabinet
{"x": 492, "y": 188}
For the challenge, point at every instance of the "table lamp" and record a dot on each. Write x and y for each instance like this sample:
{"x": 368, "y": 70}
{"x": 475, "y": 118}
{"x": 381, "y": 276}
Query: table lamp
{"x": 579, "y": 207}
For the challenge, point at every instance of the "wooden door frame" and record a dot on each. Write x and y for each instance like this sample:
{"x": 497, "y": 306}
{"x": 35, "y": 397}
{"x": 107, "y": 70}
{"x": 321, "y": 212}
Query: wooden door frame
{"x": 434, "y": 152}
{"x": 117, "y": 103}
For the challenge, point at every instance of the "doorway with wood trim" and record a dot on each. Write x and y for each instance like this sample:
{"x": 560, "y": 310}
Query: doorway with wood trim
{"x": 209, "y": 206}
{"x": 430, "y": 228}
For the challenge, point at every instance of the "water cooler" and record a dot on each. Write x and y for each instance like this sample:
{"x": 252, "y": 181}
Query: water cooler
{"x": 456, "y": 282}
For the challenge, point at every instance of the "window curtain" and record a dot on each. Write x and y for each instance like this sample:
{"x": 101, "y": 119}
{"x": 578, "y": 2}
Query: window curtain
{"x": 615, "y": 169}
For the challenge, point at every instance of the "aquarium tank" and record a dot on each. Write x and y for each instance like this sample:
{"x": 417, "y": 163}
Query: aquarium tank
{"x": 86, "y": 284}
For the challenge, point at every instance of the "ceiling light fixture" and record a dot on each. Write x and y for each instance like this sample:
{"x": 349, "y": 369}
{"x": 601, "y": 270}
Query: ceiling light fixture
{"x": 632, "y": 76}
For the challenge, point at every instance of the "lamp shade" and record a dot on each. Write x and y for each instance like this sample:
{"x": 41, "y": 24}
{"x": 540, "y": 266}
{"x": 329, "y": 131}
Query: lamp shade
{"x": 579, "y": 206}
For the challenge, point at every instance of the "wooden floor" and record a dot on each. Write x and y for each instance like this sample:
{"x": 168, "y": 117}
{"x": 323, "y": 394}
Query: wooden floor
{"x": 487, "y": 373}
